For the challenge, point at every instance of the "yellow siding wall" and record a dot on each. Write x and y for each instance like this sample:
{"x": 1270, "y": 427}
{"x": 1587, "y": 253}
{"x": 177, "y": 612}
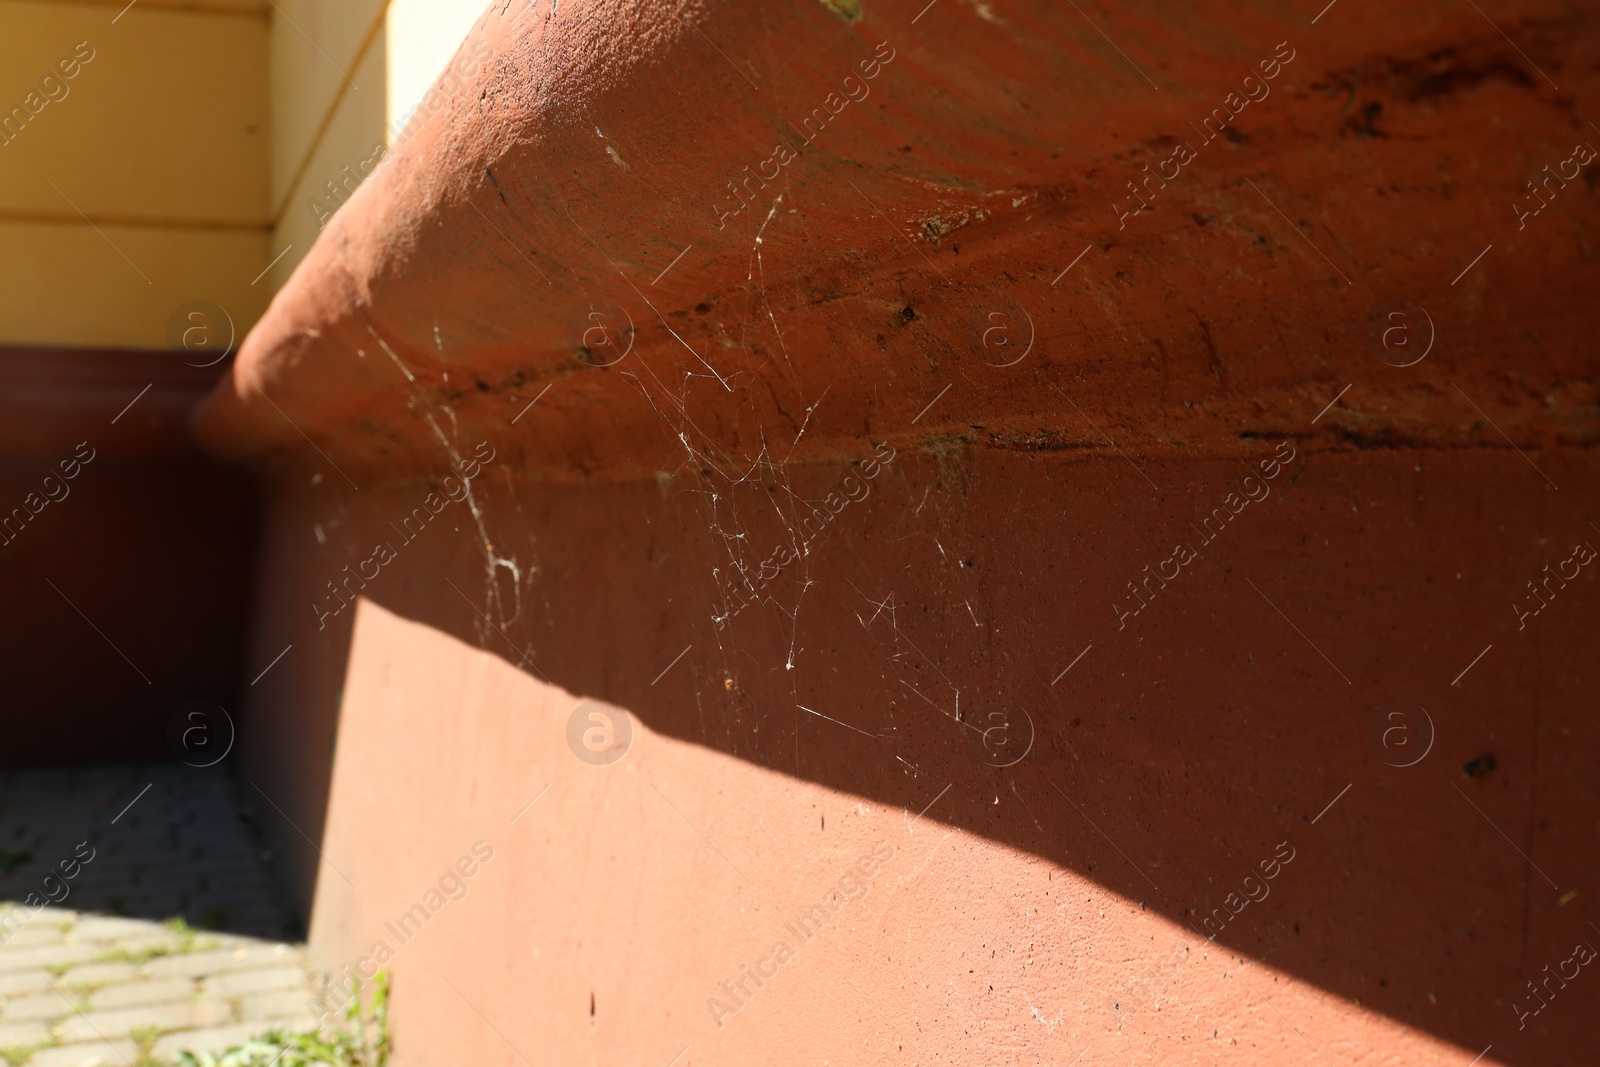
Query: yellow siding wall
{"x": 145, "y": 185}
{"x": 347, "y": 127}
{"x": 389, "y": 52}
{"x": 327, "y": 97}
{"x": 423, "y": 38}
{"x": 185, "y": 155}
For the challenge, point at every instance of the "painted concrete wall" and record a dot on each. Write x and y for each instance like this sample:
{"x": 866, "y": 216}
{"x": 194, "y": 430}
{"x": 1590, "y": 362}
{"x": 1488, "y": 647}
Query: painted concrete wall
{"x": 125, "y": 556}
{"x": 1134, "y": 612}
{"x": 1059, "y": 904}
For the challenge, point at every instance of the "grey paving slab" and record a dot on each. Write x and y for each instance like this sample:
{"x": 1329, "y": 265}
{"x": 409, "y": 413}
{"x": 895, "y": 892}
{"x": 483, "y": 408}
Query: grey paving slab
{"x": 184, "y": 847}
{"x": 256, "y": 980}
{"x": 275, "y": 1005}
{"x": 35, "y": 934}
{"x": 94, "y": 974}
{"x": 24, "y": 982}
{"x": 147, "y": 991}
{"x": 200, "y": 964}
{"x": 157, "y": 940}
{"x": 218, "y": 1039}
{"x": 103, "y": 928}
{"x": 46, "y": 957}
{"x": 21, "y": 1035}
{"x": 88, "y": 981}
{"x": 88, "y": 1054}
{"x": 124, "y": 1021}
{"x": 50, "y": 1005}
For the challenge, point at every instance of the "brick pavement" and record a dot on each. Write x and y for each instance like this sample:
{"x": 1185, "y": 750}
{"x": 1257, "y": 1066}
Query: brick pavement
{"x": 82, "y": 986}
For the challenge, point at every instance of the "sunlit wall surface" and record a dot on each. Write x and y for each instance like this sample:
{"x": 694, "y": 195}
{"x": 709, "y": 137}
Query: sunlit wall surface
{"x": 167, "y": 151}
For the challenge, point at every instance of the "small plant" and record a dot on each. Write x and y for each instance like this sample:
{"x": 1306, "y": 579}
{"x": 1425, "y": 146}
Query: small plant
{"x": 363, "y": 1042}
{"x": 122, "y": 955}
{"x": 20, "y": 1053}
{"x": 188, "y": 940}
{"x": 145, "y": 1038}
{"x": 179, "y": 926}
{"x": 188, "y": 936}
{"x": 10, "y": 861}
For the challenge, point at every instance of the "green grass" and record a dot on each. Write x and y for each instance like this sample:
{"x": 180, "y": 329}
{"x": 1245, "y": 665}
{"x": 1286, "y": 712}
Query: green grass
{"x": 145, "y": 1037}
{"x": 190, "y": 939}
{"x": 184, "y": 932}
{"x": 362, "y": 1042}
{"x": 20, "y": 1053}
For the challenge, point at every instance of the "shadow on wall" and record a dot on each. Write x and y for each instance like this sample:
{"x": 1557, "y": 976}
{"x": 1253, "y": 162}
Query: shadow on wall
{"x": 1225, "y": 755}
{"x": 125, "y": 555}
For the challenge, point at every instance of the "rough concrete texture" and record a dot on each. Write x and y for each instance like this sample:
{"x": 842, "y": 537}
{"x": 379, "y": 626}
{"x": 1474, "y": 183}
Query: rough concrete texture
{"x": 990, "y": 151}
{"x": 1213, "y": 605}
{"x": 1169, "y": 764}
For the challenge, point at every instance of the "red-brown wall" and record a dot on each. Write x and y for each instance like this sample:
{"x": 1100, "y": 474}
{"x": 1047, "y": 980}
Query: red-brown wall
{"x": 1030, "y": 904}
{"x": 1341, "y": 276}
{"x": 127, "y": 596}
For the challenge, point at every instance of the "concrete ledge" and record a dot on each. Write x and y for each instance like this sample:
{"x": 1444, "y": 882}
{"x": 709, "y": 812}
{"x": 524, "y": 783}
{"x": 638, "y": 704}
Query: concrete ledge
{"x": 938, "y": 431}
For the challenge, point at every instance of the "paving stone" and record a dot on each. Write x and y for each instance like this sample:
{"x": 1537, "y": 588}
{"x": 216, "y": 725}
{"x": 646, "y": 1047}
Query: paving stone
{"x": 99, "y": 974}
{"x": 21, "y": 1035}
{"x": 50, "y": 914}
{"x": 155, "y": 941}
{"x": 24, "y": 982}
{"x": 122, "y": 1022}
{"x": 257, "y": 980}
{"x": 45, "y": 956}
{"x": 149, "y": 991}
{"x": 200, "y": 964}
{"x": 50, "y": 1005}
{"x": 221, "y": 1038}
{"x": 90, "y": 1054}
{"x": 182, "y": 850}
{"x": 103, "y": 928}
{"x": 210, "y": 941}
{"x": 26, "y": 912}
{"x": 275, "y": 1005}
{"x": 35, "y": 934}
